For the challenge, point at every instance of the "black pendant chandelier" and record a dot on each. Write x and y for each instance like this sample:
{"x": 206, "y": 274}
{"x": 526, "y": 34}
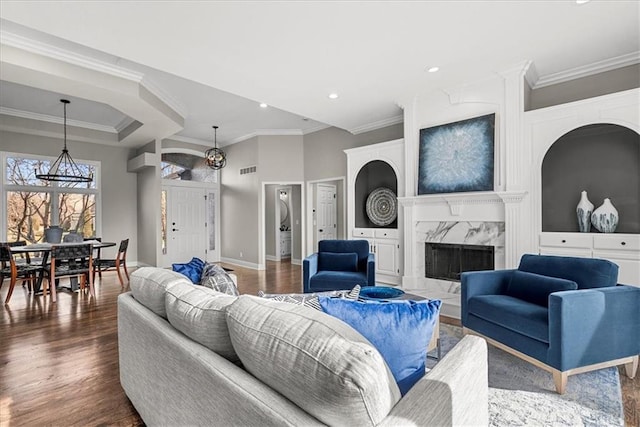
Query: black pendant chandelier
{"x": 64, "y": 169}
{"x": 215, "y": 157}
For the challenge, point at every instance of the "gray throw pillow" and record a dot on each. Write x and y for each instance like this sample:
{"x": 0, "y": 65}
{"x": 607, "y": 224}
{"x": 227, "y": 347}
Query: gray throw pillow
{"x": 214, "y": 277}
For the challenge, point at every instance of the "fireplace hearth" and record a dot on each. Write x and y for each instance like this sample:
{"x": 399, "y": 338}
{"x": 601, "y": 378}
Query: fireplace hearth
{"x": 446, "y": 261}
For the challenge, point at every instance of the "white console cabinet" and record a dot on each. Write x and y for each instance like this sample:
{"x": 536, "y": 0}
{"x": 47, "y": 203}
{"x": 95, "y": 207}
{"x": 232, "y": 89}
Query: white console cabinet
{"x": 370, "y": 167}
{"x": 622, "y": 249}
{"x": 385, "y": 245}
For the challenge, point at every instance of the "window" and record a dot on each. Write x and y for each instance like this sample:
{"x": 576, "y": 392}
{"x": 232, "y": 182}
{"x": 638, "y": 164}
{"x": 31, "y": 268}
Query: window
{"x": 31, "y": 205}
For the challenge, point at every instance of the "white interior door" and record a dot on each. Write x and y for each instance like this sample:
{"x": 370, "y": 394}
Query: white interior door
{"x": 186, "y": 236}
{"x": 326, "y": 212}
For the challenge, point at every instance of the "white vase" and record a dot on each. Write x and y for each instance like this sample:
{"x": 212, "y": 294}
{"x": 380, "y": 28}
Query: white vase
{"x": 605, "y": 218}
{"x": 584, "y": 211}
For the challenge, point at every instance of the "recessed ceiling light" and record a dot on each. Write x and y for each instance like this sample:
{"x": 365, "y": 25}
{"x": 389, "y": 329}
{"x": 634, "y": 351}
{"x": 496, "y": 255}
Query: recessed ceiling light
{"x": 582, "y": 1}
{"x": 433, "y": 69}
{"x": 333, "y": 95}
{"x": 263, "y": 105}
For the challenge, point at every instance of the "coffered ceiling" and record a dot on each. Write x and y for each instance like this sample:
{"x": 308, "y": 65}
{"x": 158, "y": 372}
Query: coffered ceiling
{"x": 206, "y": 63}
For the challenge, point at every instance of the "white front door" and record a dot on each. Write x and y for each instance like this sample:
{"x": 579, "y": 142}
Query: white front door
{"x": 326, "y": 212}
{"x": 186, "y": 232}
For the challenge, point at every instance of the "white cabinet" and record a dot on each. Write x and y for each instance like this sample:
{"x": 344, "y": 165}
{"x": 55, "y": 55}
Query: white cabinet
{"x": 622, "y": 249}
{"x": 285, "y": 243}
{"x": 385, "y": 245}
{"x": 369, "y": 168}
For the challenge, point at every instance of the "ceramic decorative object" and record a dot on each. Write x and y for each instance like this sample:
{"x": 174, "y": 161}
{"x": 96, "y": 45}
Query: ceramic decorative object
{"x": 53, "y": 234}
{"x": 605, "y": 218}
{"x": 584, "y": 211}
{"x": 73, "y": 237}
{"x": 382, "y": 206}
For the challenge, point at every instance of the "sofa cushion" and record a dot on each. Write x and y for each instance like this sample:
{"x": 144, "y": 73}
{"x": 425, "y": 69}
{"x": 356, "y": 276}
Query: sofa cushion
{"x": 336, "y": 279}
{"x": 200, "y": 314}
{"x": 586, "y": 272}
{"x": 149, "y": 284}
{"x": 315, "y": 360}
{"x": 400, "y": 330}
{"x": 535, "y": 288}
{"x": 332, "y": 261}
{"x": 525, "y": 318}
{"x": 192, "y": 269}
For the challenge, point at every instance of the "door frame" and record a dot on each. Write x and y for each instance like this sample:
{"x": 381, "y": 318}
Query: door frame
{"x": 262, "y": 231}
{"x": 341, "y": 180}
{"x": 207, "y": 187}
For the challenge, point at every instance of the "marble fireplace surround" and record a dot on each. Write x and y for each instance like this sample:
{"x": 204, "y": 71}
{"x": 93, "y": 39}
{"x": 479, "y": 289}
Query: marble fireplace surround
{"x": 482, "y": 218}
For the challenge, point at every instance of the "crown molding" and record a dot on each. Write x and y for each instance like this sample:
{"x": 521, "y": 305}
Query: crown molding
{"x": 57, "y": 120}
{"x": 377, "y": 125}
{"x": 320, "y": 126}
{"x": 588, "y": 70}
{"x": 126, "y": 121}
{"x": 169, "y": 100}
{"x": 84, "y": 61}
{"x": 57, "y": 53}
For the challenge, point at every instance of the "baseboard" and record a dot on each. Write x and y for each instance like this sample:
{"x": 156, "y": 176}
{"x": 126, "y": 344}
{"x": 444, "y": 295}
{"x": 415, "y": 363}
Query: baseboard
{"x": 296, "y": 261}
{"x": 272, "y": 258}
{"x": 241, "y": 263}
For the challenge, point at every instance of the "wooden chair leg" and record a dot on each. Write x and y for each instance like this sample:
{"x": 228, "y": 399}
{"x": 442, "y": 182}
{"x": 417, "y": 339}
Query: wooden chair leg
{"x": 126, "y": 272}
{"x": 631, "y": 368}
{"x": 92, "y": 291}
{"x": 119, "y": 274}
{"x": 560, "y": 379}
{"x": 11, "y": 286}
{"x": 54, "y": 296}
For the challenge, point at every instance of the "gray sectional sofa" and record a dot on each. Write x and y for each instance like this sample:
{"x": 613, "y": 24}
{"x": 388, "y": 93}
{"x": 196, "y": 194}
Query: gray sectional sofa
{"x": 193, "y": 356}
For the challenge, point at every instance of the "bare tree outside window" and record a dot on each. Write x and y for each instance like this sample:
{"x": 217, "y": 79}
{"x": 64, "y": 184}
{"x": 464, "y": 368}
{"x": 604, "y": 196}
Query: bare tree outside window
{"x": 34, "y": 204}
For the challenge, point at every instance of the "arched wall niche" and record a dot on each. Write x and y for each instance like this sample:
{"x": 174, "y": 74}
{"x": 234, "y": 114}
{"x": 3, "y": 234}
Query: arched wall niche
{"x": 602, "y": 159}
{"x": 372, "y": 175}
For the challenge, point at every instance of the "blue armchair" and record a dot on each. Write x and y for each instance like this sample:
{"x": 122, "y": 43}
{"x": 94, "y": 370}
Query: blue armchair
{"x": 339, "y": 264}
{"x": 563, "y": 314}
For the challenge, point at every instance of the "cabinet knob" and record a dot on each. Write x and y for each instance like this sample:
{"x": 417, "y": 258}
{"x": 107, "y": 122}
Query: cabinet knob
{"x": 564, "y": 241}
{"x": 623, "y": 243}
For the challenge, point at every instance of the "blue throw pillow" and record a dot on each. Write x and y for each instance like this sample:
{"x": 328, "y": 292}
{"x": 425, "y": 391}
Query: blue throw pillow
{"x": 535, "y": 288}
{"x": 192, "y": 269}
{"x": 334, "y": 261}
{"x": 400, "y": 330}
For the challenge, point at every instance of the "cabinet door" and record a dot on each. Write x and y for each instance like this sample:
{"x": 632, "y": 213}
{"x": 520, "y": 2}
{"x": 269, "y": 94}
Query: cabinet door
{"x": 386, "y": 257}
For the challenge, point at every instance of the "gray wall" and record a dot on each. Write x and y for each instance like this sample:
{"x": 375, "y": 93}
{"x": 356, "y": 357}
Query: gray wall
{"x": 148, "y": 214}
{"x": 118, "y": 187}
{"x": 323, "y": 150}
{"x": 239, "y": 203}
{"x": 270, "y": 219}
{"x": 296, "y": 222}
{"x": 586, "y": 87}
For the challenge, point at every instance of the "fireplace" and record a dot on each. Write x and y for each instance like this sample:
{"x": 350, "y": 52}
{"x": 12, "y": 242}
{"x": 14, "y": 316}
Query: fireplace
{"x": 446, "y": 261}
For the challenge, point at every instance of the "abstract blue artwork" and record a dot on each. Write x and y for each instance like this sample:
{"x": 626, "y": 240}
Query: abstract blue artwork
{"x": 457, "y": 157}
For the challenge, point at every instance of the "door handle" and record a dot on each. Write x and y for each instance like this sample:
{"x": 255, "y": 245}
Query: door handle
{"x": 321, "y": 230}
{"x": 174, "y": 229}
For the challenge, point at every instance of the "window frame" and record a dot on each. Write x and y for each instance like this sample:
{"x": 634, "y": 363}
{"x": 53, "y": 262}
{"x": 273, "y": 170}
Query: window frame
{"x": 54, "y": 189}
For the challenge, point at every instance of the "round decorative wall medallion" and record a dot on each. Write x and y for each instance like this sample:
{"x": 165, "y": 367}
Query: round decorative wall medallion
{"x": 382, "y": 206}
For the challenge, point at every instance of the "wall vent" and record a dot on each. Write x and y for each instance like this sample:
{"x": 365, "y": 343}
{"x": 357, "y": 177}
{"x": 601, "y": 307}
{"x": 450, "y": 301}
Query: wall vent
{"x": 248, "y": 169}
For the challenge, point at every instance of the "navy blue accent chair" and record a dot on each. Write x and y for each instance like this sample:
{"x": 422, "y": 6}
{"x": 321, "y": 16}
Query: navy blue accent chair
{"x": 339, "y": 264}
{"x": 566, "y": 315}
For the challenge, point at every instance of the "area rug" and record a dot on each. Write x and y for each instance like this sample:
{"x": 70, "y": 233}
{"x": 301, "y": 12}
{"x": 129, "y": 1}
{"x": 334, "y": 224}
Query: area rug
{"x": 522, "y": 395}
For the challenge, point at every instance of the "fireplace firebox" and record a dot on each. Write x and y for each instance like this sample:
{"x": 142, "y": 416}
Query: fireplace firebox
{"x": 446, "y": 261}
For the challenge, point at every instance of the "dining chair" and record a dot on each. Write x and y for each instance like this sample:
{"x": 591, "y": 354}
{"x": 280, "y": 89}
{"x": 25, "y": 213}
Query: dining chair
{"x": 23, "y": 272}
{"x": 120, "y": 261}
{"x": 70, "y": 260}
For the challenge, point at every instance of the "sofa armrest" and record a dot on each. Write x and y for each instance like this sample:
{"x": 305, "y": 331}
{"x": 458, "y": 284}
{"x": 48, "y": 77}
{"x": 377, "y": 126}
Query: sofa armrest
{"x": 371, "y": 270}
{"x": 454, "y": 393}
{"x": 473, "y": 283}
{"x": 309, "y": 268}
{"x": 595, "y": 325}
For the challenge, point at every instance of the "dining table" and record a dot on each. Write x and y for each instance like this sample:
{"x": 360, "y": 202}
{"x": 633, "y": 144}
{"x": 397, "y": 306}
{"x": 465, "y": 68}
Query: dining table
{"x": 45, "y": 249}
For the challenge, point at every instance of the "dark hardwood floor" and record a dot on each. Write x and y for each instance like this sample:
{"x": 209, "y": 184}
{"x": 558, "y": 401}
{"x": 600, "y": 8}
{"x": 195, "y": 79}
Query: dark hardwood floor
{"x": 59, "y": 361}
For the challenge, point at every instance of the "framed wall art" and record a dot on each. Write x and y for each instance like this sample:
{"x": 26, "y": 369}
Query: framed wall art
{"x": 457, "y": 157}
